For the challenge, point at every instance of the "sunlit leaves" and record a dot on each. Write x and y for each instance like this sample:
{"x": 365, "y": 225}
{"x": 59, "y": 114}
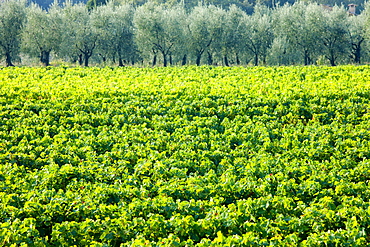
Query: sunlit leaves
{"x": 204, "y": 156}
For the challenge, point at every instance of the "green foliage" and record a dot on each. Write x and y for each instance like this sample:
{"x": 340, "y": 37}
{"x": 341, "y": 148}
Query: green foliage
{"x": 41, "y": 33}
{"x": 186, "y": 156}
{"x": 159, "y": 30}
{"x": 79, "y": 35}
{"x": 12, "y": 17}
{"x": 91, "y": 4}
{"x": 171, "y": 34}
{"x": 114, "y": 28}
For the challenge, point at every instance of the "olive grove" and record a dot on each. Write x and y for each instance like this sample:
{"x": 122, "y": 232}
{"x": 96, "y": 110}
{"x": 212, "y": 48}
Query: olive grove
{"x": 156, "y": 34}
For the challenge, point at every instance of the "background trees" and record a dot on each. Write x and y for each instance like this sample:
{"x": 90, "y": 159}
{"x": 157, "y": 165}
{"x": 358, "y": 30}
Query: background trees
{"x": 357, "y": 37}
{"x": 300, "y": 26}
{"x": 12, "y": 17}
{"x": 158, "y": 30}
{"x": 247, "y": 6}
{"x": 334, "y": 35}
{"x": 170, "y": 34}
{"x": 42, "y": 32}
{"x": 258, "y": 35}
{"x": 80, "y": 36}
{"x": 231, "y": 41}
{"x": 114, "y": 28}
{"x": 203, "y": 29}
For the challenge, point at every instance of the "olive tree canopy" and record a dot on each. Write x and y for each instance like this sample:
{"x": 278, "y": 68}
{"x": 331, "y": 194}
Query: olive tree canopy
{"x": 12, "y": 16}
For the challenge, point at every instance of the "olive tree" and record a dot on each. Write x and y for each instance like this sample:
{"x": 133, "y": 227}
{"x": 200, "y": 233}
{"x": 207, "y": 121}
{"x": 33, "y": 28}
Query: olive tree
{"x": 335, "y": 36}
{"x": 300, "y": 26}
{"x": 357, "y": 36}
{"x": 204, "y": 28}
{"x": 158, "y": 30}
{"x": 12, "y": 16}
{"x": 232, "y": 35}
{"x": 258, "y": 35}
{"x": 114, "y": 27}
{"x": 79, "y": 35}
{"x": 42, "y": 32}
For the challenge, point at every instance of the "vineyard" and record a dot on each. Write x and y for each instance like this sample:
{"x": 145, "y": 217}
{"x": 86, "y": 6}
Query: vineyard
{"x": 185, "y": 156}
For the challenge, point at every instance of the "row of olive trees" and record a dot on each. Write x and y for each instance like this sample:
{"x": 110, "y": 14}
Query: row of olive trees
{"x": 308, "y": 32}
{"x": 303, "y": 33}
{"x": 70, "y": 32}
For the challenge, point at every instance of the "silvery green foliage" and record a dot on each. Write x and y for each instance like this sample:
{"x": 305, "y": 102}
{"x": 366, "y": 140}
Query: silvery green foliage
{"x": 12, "y": 16}
{"x": 357, "y": 35}
{"x": 230, "y": 44}
{"x": 280, "y": 53}
{"x": 204, "y": 30}
{"x": 114, "y": 27}
{"x": 42, "y": 32}
{"x": 302, "y": 33}
{"x": 300, "y": 25}
{"x": 334, "y": 36}
{"x": 158, "y": 30}
{"x": 80, "y": 37}
{"x": 258, "y": 35}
